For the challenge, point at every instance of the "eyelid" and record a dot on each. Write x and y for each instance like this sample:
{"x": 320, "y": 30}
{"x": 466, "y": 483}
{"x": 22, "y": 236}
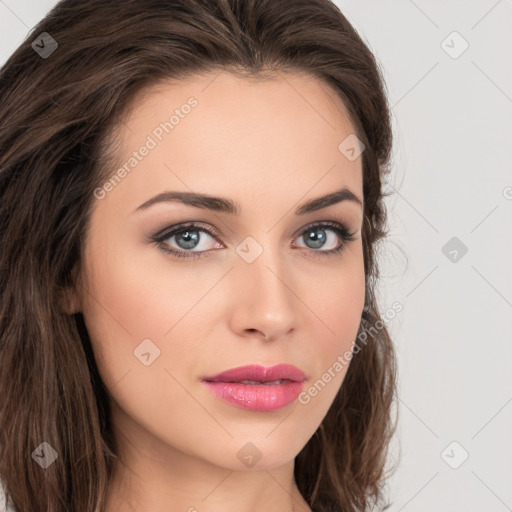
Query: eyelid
{"x": 214, "y": 232}
{"x": 339, "y": 227}
{"x": 169, "y": 230}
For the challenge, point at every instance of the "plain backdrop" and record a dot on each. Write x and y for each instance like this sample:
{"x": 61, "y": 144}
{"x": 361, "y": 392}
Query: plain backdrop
{"x": 447, "y": 67}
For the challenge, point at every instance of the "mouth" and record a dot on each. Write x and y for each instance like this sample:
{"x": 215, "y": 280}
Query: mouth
{"x": 255, "y": 382}
{"x": 257, "y": 374}
{"x": 256, "y": 387}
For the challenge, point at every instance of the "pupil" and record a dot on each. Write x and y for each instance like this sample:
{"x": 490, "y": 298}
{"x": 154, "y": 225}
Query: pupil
{"x": 191, "y": 239}
{"x": 318, "y": 241}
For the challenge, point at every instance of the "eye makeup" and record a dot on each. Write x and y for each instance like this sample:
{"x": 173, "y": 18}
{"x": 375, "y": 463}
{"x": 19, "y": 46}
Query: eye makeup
{"x": 188, "y": 228}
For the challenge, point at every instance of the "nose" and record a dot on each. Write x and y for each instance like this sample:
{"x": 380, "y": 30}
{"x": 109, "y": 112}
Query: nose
{"x": 264, "y": 303}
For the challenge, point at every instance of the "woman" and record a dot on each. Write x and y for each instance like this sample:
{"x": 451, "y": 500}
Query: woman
{"x": 190, "y": 208}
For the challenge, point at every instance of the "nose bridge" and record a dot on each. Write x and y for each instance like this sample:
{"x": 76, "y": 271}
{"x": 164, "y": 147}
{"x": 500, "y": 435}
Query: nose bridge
{"x": 264, "y": 297}
{"x": 262, "y": 264}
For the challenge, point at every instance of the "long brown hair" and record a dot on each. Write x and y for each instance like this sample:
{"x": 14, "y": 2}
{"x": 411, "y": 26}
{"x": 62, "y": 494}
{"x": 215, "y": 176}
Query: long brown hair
{"x": 57, "y": 113}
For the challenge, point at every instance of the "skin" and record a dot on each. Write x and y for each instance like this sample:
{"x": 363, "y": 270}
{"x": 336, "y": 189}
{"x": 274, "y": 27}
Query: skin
{"x": 270, "y": 145}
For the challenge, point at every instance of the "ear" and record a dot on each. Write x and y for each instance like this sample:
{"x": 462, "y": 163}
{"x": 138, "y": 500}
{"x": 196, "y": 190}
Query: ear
{"x": 70, "y": 298}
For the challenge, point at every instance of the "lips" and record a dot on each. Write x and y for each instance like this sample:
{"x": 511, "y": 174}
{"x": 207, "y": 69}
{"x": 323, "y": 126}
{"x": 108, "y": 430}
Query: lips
{"x": 258, "y": 388}
{"x": 258, "y": 375}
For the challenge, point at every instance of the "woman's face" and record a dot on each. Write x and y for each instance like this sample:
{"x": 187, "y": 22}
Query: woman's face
{"x": 265, "y": 289}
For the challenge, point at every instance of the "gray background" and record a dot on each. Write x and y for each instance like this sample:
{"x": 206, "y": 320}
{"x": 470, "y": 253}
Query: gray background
{"x": 451, "y": 178}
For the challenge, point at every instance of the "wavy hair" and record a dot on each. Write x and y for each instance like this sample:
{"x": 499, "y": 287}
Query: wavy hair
{"x": 57, "y": 116}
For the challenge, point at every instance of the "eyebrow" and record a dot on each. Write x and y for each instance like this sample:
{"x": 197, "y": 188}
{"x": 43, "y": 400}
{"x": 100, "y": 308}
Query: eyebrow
{"x": 223, "y": 205}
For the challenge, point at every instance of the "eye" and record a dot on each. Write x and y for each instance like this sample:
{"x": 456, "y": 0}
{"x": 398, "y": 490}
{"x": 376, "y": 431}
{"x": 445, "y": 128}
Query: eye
{"x": 187, "y": 237}
{"x": 191, "y": 239}
{"x": 316, "y": 237}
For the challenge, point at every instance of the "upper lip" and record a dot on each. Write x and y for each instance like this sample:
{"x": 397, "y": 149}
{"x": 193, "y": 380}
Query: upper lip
{"x": 259, "y": 373}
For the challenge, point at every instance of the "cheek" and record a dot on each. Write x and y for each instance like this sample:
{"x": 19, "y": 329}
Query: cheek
{"x": 337, "y": 309}
{"x": 133, "y": 294}
{"x": 339, "y": 303}
{"x": 128, "y": 310}
{"x": 340, "y": 309}
{"x": 121, "y": 307}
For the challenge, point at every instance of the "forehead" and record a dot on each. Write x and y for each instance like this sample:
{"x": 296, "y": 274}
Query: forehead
{"x": 215, "y": 132}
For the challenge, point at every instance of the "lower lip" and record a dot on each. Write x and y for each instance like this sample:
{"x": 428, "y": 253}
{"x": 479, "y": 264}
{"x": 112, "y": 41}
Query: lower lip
{"x": 257, "y": 397}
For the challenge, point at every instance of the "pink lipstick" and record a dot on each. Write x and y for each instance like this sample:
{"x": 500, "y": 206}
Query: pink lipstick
{"x": 256, "y": 387}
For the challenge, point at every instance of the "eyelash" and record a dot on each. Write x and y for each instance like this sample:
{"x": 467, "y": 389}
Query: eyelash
{"x": 340, "y": 229}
